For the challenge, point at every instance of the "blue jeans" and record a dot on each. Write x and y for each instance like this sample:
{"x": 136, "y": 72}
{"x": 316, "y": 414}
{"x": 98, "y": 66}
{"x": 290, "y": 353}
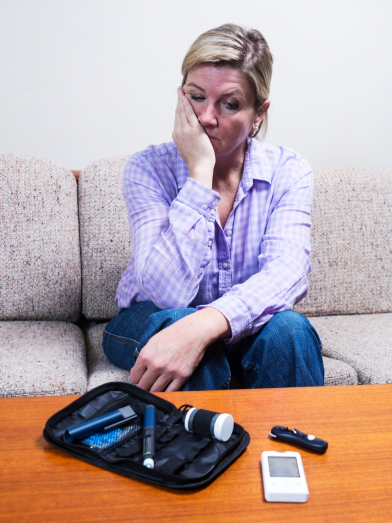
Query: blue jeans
{"x": 285, "y": 352}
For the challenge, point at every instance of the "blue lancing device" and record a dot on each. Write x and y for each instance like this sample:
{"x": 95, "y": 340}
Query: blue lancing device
{"x": 107, "y": 422}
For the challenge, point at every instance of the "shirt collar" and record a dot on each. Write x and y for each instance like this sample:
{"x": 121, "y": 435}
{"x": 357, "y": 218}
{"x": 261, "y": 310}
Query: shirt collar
{"x": 255, "y": 166}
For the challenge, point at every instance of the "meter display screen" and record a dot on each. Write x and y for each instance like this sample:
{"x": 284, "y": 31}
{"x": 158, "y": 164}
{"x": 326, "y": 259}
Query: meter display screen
{"x": 283, "y": 467}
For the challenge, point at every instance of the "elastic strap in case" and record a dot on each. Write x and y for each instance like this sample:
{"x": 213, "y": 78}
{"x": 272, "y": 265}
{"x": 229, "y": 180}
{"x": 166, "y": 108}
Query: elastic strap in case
{"x": 174, "y": 464}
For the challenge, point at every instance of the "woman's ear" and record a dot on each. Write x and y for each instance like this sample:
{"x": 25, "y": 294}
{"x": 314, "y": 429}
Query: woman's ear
{"x": 260, "y": 113}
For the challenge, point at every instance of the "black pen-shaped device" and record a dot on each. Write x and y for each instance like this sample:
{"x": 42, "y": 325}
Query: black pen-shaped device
{"x": 106, "y": 422}
{"x": 149, "y": 426}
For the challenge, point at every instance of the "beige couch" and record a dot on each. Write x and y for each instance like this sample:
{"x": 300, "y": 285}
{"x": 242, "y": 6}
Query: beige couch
{"x": 64, "y": 246}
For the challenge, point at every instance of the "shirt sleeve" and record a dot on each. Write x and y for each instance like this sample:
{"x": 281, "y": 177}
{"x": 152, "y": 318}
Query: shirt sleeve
{"x": 283, "y": 262}
{"x": 170, "y": 237}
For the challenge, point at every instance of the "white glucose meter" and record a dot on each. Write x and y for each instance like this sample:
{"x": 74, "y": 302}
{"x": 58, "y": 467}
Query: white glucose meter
{"x": 284, "y": 477}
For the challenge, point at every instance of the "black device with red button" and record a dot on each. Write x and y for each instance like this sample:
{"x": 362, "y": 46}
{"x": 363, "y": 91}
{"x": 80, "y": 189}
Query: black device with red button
{"x": 295, "y": 437}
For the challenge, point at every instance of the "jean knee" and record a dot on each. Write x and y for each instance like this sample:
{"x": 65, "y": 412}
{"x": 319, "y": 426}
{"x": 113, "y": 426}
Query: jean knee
{"x": 121, "y": 335}
{"x": 285, "y": 352}
{"x": 120, "y": 351}
{"x": 292, "y": 324}
{"x": 289, "y": 319}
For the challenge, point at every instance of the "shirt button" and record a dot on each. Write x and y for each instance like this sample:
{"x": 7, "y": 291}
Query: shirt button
{"x": 224, "y": 265}
{"x": 229, "y": 233}
{"x": 212, "y": 211}
{"x": 210, "y": 243}
{"x": 216, "y": 201}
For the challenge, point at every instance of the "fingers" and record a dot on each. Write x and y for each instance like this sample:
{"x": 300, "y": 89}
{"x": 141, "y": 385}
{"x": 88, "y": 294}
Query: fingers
{"x": 181, "y": 113}
{"x": 148, "y": 379}
{"x": 186, "y": 112}
{"x": 177, "y": 122}
{"x": 180, "y": 121}
{"x": 154, "y": 380}
{"x": 161, "y": 383}
{"x": 137, "y": 371}
{"x": 176, "y": 384}
{"x": 190, "y": 113}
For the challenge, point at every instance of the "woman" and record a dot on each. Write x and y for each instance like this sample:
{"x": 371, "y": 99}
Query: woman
{"x": 220, "y": 226}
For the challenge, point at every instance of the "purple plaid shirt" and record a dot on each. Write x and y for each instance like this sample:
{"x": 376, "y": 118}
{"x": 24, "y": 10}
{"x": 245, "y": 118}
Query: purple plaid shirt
{"x": 253, "y": 268}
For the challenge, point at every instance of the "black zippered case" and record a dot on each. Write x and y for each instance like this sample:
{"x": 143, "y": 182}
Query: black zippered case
{"x": 182, "y": 460}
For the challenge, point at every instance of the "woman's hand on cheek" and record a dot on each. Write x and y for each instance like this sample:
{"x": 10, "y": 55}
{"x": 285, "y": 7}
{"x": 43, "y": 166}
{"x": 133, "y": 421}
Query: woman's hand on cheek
{"x": 192, "y": 141}
{"x": 170, "y": 357}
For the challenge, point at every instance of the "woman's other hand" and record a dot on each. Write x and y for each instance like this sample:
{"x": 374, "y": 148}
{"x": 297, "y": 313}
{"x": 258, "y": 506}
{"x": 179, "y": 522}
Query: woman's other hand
{"x": 171, "y": 356}
{"x": 192, "y": 142}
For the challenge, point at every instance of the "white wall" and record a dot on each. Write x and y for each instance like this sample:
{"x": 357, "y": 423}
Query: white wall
{"x": 85, "y": 79}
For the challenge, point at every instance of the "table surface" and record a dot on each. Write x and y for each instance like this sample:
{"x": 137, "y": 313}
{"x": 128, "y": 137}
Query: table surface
{"x": 351, "y": 482}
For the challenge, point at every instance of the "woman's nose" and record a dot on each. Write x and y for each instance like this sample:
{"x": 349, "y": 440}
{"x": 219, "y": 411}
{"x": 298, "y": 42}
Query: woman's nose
{"x": 207, "y": 116}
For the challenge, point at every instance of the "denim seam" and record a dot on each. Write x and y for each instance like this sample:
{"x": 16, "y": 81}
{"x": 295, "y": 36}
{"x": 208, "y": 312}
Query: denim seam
{"x": 226, "y": 383}
{"x": 129, "y": 341}
{"x": 247, "y": 365}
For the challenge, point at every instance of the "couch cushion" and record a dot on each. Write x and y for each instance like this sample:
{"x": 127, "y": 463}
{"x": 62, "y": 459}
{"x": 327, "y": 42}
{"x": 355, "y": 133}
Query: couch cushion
{"x": 39, "y": 358}
{"x": 351, "y": 242}
{"x": 100, "y": 370}
{"x": 40, "y": 276}
{"x": 104, "y": 237}
{"x": 339, "y": 373}
{"x": 363, "y": 341}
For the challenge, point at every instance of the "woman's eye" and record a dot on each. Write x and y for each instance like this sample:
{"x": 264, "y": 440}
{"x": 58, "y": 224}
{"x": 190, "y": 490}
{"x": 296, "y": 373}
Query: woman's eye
{"x": 231, "y": 106}
{"x": 197, "y": 98}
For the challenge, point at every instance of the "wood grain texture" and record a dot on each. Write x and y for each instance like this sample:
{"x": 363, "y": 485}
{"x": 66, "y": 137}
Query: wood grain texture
{"x": 351, "y": 482}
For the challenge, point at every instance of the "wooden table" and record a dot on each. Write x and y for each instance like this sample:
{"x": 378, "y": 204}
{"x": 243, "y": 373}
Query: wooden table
{"x": 351, "y": 482}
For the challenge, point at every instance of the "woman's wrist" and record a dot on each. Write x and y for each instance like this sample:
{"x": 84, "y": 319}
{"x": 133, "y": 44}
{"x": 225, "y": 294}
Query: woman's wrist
{"x": 202, "y": 174}
{"x": 214, "y": 324}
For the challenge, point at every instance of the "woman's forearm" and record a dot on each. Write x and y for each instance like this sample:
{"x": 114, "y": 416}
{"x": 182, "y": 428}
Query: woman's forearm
{"x": 172, "y": 244}
{"x": 171, "y": 356}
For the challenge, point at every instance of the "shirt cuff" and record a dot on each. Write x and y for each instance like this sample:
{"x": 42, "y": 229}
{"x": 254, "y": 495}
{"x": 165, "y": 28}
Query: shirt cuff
{"x": 200, "y": 198}
{"x": 236, "y": 313}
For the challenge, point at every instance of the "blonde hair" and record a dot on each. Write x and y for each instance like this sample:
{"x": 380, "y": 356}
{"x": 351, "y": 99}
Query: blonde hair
{"x": 240, "y": 48}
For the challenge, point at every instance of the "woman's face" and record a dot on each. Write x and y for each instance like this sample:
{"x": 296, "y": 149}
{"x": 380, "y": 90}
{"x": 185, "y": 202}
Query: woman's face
{"x": 224, "y": 104}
